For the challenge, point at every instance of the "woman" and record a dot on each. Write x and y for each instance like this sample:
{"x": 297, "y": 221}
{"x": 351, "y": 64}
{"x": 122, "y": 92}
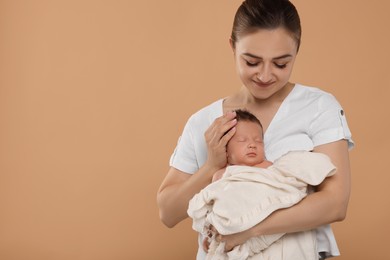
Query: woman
{"x": 265, "y": 41}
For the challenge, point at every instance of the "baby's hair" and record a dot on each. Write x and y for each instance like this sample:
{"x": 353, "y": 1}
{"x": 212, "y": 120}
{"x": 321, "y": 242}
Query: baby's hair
{"x": 245, "y": 115}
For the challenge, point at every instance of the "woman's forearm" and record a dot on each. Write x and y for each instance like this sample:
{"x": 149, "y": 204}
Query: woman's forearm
{"x": 177, "y": 190}
{"x": 315, "y": 210}
{"x": 329, "y": 204}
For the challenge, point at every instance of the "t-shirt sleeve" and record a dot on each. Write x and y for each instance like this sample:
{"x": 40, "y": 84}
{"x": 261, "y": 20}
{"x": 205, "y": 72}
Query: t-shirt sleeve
{"x": 184, "y": 156}
{"x": 330, "y": 123}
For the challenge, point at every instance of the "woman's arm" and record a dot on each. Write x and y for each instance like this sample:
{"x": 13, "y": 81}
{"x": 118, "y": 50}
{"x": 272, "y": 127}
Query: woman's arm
{"x": 178, "y": 187}
{"x": 329, "y": 204}
{"x": 176, "y": 191}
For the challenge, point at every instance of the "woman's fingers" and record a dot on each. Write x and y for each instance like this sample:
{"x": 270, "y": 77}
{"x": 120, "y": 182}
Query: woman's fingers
{"x": 217, "y": 136}
{"x": 220, "y": 127}
{"x": 227, "y": 136}
{"x": 227, "y": 122}
{"x": 206, "y": 244}
{"x": 221, "y": 239}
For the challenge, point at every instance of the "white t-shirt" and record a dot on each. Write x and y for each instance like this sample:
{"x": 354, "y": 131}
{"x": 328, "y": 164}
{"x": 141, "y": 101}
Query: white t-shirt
{"x": 308, "y": 117}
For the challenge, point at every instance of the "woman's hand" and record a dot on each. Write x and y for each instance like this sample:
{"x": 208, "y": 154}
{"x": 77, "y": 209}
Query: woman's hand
{"x": 230, "y": 241}
{"x": 217, "y": 136}
{"x": 234, "y": 240}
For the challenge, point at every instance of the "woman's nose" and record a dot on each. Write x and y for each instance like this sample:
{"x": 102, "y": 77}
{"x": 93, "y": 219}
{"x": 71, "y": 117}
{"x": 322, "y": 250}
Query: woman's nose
{"x": 264, "y": 74}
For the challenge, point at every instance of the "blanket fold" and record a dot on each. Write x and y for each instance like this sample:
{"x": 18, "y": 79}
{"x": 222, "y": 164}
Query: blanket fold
{"x": 245, "y": 195}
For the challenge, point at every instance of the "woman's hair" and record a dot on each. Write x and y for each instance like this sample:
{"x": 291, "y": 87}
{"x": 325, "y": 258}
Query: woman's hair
{"x": 253, "y": 15}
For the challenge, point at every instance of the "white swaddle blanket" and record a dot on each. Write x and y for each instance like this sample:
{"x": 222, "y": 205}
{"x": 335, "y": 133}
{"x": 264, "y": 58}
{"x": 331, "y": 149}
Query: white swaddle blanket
{"x": 247, "y": 195}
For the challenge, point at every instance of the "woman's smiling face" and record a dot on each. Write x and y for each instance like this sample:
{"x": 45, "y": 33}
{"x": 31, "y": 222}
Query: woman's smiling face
{"x": 264, "y": 61}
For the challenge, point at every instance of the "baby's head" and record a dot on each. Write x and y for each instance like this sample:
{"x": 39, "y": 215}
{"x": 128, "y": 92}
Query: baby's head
{"x": 246, "y": 147}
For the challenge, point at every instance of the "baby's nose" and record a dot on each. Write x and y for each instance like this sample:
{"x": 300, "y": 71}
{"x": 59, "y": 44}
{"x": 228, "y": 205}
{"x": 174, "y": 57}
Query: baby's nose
{"x": 252, "y": 145}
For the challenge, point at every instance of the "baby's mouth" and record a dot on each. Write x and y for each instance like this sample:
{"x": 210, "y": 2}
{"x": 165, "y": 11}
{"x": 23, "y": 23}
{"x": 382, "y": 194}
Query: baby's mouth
{"x": 251, "y": 154}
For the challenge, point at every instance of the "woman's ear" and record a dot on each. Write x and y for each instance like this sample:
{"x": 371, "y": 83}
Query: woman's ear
{"x": 231, "y": 44}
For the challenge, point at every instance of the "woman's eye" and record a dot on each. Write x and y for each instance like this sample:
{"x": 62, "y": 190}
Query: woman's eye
{"x": 280, "y": 66}
{"x": 252, "y": 64}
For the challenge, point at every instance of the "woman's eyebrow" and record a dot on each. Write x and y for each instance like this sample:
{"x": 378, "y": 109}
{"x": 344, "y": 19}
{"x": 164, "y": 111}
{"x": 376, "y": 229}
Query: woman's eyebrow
{"x": 276, "y": 58}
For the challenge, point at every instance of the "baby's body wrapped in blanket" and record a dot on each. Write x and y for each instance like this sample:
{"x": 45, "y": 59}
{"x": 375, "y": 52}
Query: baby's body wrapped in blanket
{"x": 247, "y": 195}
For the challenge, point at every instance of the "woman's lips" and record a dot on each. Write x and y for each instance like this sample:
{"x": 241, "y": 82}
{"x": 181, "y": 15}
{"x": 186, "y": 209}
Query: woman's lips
{"x": 263, "y": 85}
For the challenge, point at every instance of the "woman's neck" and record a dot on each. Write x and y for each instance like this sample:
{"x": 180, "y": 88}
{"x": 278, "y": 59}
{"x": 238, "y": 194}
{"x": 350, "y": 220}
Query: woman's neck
{"x": 245, "y": 100}
{"x": 276, "y": 99}
{"x": 264, "y": 109}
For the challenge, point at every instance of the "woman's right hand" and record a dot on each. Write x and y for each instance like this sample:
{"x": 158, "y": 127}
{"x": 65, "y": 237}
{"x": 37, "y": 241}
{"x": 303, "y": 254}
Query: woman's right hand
{"x": 217, "y": 136}
{"x": 179, "y": 187}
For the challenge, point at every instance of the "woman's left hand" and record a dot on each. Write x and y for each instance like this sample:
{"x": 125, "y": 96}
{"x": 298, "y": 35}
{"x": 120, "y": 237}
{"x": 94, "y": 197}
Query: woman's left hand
{"x": 234, "y": 240}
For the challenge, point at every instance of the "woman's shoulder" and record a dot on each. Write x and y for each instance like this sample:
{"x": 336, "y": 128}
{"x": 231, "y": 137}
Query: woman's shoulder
{"x": 310, "y": 91}
{"x": 209, "y": 112}
{"x": 309, "y": 94}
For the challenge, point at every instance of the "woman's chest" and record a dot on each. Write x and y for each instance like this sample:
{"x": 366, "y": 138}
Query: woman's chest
{"x": 287, "y": 133}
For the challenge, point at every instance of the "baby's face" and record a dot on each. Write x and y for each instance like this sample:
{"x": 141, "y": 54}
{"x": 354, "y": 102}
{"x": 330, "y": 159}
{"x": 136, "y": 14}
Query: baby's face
{"x": 246, "y": 146}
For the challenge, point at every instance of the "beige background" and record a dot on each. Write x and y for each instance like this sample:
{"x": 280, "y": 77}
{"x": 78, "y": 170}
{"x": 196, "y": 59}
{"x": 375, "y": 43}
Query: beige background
{"x": 94, "y": 94}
